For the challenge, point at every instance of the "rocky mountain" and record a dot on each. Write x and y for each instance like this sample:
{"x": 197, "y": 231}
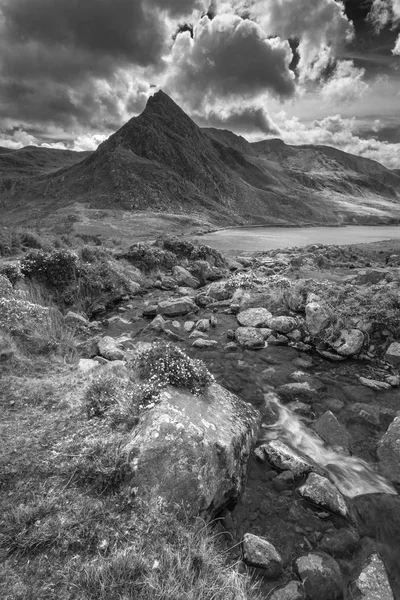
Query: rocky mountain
{"x": 161, "y": 161}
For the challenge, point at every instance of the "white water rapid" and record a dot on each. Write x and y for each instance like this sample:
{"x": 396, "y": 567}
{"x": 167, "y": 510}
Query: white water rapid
{"x": 352, "y": 476}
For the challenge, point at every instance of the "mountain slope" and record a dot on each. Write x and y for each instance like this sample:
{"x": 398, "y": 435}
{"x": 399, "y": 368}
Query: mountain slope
{"x": 162, "y": 161}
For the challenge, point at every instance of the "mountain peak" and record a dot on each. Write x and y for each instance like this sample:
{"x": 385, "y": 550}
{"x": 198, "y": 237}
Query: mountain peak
{"x": 162, "y": 104}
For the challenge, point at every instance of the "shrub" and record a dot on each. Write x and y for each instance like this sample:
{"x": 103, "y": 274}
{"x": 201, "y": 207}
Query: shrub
{"x": 12, "y": 271}
{"x": 56, "y": 269}
{"x": 190, "y": 250}
{"x": 164, "y": 364}
{"x": 148, "y": 257}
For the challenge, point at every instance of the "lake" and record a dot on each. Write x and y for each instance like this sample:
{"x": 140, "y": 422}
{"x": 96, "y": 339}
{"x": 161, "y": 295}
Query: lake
{"x": 252, "y": 239}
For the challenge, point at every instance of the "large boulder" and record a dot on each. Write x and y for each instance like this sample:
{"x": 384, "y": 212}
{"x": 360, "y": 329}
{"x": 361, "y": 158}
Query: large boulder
{"x": 254, "y": 317}
{"x": 176, "y": 307}
{"x": 349, "y": 342}
{"x": 220, "y": 290}
{"x": 332, "y": 431}
{"x": 193, "y": 450}
{"x": 389, "y": 452}
{"x": 321, "y": 577}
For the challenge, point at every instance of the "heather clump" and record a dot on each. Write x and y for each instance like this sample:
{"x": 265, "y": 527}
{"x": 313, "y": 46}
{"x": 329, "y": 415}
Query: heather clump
{"x": 55, "y": 269}
{"x": 192, "y": 251}
{"x": 149, "y": 257}
{"x": 164, "y": 364}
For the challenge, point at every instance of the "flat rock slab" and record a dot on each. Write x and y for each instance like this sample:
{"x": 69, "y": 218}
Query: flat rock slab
{"x": 322, "y": 492}
{"x": 202, "y": 343}
{"x": 373, "y": 583}
{"x": 193, "y": 450}
{"x": 176, "y": 307}
{"x": 254, "y": 317}
{"x": 374, "y": 384}
{"x": 250, "y": 337}
{"x": 259, "y": 552}
{"x": 317, "y": 317}
{"x": 321, "y": 577}
{"x": 284, "y": 458}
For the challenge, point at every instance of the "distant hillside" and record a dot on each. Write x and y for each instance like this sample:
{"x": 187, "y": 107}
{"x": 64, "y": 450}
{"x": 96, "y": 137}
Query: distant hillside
{"x": 161, "y": 161}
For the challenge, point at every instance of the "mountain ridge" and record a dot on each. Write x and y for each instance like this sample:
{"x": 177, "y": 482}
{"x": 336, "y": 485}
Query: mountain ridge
{"x": 162, "y": 161}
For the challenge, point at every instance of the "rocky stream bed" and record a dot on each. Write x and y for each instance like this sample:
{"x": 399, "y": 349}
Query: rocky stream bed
{"x": 320, "y": 512}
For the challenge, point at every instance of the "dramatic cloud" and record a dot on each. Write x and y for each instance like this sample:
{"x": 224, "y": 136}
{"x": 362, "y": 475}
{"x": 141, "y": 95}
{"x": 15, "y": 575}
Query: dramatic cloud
{"x": 396, "y": 49}
{"x": 384, "y": 13}
{"x": 345, "y": 85}
{"x": 229, "y": 56}
{"x": 321, "y": 27}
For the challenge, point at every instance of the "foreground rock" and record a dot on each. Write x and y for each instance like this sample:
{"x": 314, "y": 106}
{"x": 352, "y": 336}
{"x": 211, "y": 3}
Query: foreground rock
{"x": 393, "y": 354}
{"x": 284, "y": 458}
{"x": 193, "y": 450}
{"x": 259, "y": 552}
{"x": 250, "y": 337}
{"x": 183, "y": 277}
{"x": 108, "y": 349}
{"x": 321, "y": 577}
{"x": 389, "y": 452}
{"x": 254, "y": 317}
{"x": 176, "y": 307}
{"x": 373, "y": 583}
{"x": 349, "y": 343}
{"x": 322, "y": 492}
{"x": 291, "y": 591}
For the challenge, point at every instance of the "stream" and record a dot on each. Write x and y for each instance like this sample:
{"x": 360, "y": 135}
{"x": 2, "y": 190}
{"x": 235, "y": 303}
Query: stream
{"x": 271, "y": 505}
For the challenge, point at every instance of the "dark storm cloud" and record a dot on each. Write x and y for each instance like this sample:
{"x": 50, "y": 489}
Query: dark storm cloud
{"x": 229, "y": 57}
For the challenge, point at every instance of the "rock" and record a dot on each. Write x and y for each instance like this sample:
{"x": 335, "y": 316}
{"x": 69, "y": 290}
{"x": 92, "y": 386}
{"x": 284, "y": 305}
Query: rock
{"x": 254, "y": 317}
{"x": 349, "y": 343}
{"x": 393, "y": 380}
{"x": 291, "y": 391}
{"x": 291, "y": 591}
{"x": 76, "y": 320}
{"x": 108, "y": 349}
{"x": 295, "y": 298}
{"x": 86, "y": 365}
{"x": 282, "y": 324}
{"x": 198, "y": 334}
{"x": 176, "y": 307}
{"x": 259, "y": 552}
{"x": 188, "y": 326}
{"x": 317, "y": 317}
{"x": 374, "y": 384}
{"x": 321, "y": 577}
{"x": 149, "y": 311}
{"x": 332, "y": 432}
{"x": 175, "y": 324}
{"x": 266, "y": 333}
{"x": 339, "y": 542}
{"x": 389, "y": 452}
{"x": 367, "y": 413}
{"x": 220, "y": 290}
{"x": 370, "y": 276}
{"x": 193, "y": 450}
{"x": 373, "y": 582}
{"x": 231, "y": 347}
{"x": 322, "y": 492}
{"x": 393, "y": 354}
{"x": 284, "y": 458}
{"x": 202, "y": 343}
{"x": 283, "y": 481}
{"x": 158, "y": 324}
{"x": 166, "y": 282}
{"x": 304, "y": 362}
{"x": 118, "y": 321}
{"x": 295, "y": 335}
{"x": 249, "y": 337}
{"x": 183, "y": 277}
{"x": 203, "y": 325}
{"x": 89, "y": 348}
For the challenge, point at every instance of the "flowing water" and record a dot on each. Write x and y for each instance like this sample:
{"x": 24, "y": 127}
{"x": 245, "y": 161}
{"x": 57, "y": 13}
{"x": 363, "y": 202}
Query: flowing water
{"x": 257, "y": 239}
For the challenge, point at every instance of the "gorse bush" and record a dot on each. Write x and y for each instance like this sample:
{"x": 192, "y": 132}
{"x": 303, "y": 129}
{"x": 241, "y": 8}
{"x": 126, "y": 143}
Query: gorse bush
{"x": 148, "y": 257}
{"x": 55, "y": 269}
{"x": 12, "y": 271}
{"x": 165, "y": 364}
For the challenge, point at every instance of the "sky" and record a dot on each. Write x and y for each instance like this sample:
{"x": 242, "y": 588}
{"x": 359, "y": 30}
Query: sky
{"x": 307, "y": 71}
